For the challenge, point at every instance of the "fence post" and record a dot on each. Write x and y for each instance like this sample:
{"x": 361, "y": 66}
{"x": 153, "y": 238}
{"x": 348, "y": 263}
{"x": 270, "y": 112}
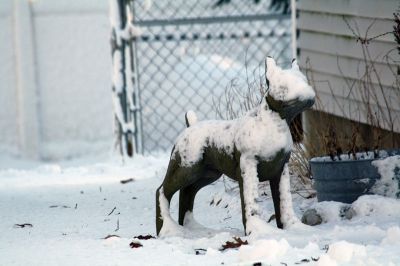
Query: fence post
{"x": 125, "y": 102}
{"x": 137, "y": 110}
{"x": 27, "y": 94}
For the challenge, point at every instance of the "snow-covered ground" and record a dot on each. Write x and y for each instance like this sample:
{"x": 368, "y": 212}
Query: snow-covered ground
{"x": 74, "y": 205}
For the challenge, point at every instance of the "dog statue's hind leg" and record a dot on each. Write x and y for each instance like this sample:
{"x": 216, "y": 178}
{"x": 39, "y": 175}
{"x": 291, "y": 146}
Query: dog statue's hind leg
{"x": 188, "y": 194}
{"x": 164, "y": 195}
{"x": 176, "y": 178}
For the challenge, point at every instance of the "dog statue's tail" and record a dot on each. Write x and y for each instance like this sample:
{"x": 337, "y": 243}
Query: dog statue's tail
{"x": 190, "y": 118}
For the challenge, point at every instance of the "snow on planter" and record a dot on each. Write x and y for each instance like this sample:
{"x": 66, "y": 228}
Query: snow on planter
{"x": 389, "y": 183}
{"x": 252, "y": 148}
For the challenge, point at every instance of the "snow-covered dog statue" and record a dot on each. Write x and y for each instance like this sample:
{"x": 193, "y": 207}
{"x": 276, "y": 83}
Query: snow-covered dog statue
{"x": 253, "y": 148}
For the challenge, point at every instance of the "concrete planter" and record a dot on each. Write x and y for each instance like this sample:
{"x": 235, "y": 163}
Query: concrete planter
{"x": 345, "y": 180}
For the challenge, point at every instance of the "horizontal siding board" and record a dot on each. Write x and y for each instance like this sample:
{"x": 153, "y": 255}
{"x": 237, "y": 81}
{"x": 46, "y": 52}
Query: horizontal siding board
{"x": 360, "y": 8}
{"x": 336, "y": 24}
{"x": 355, "y": 111}
{"x": 344, "y": 66}
{"x": 343, "y": 107}
{"x": 345, "y": 46}
{"x": 353, "y": 90}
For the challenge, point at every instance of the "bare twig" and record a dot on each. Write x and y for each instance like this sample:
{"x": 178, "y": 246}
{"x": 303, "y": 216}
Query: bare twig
{"x": 112, "y": 211}
{"x": 365, "y": 40}
{"x": 125, "y": 181}
{"x": 116, "y": 229}
{"x": 111, "y": 236}
{"x": 22, "y": 225}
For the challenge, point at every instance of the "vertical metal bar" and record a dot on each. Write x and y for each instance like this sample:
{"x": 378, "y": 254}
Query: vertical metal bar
{"x": 120, "y": 46}
{"x": 294, "y": 26}
{"x": 138, "y": 103}
{"x": 137, "y": 99}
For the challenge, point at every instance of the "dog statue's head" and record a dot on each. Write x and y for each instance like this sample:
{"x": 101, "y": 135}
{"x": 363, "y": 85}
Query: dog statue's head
{"x": 289, "y": 92}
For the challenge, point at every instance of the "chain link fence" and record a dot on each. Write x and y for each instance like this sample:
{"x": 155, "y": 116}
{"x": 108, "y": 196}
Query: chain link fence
{"x": 189, "y": 52}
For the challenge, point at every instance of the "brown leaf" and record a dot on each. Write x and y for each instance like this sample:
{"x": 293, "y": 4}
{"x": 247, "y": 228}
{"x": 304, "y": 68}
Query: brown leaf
{"x": 235, "y": 244}
{"x": 134, "y": 244}
{"x": 142, "y": 237}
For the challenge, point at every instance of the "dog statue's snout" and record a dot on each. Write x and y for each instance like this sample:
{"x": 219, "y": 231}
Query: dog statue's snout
{"x": 310, "y": 102}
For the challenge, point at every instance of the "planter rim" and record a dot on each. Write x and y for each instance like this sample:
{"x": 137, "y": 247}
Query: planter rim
{"x": 389, "y": 152}
{"x": 341, "y": 161}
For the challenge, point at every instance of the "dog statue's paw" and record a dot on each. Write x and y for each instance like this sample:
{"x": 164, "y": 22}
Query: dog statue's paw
{"x": 255, "y": 226}
{"x": 296, "y": 224}
{"x": 171, "y": 228}
{"x": 190, "y": 222}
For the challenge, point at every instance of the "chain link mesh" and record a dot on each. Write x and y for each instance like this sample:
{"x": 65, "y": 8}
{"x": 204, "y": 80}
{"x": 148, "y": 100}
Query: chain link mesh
{"x": 189, "y": 52}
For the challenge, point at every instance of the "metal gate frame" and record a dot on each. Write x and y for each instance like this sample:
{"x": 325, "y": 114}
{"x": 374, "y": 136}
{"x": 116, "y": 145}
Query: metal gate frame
{"x": 127, "y": 37}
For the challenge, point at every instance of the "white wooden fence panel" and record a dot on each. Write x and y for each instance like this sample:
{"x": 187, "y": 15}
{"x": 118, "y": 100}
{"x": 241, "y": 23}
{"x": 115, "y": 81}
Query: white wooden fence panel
{"x": 76, "y": 106}
{"x": 8, "y": 97}
{"x": 55, "y": 69}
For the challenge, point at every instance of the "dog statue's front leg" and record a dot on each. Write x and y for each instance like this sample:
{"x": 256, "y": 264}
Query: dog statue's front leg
{"x": 287, "y": 215}
{"x": 248, "y": 183}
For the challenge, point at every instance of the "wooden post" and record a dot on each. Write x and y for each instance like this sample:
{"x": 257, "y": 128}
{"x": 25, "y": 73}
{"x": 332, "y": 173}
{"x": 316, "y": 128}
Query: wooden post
{"x": 27, "y": 94}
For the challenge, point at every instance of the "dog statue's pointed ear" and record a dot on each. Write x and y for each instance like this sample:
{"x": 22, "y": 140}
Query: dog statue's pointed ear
{"x": 295, "y": 66}
{"x": 266, "y": 77}
{"x": 270, "y": 66}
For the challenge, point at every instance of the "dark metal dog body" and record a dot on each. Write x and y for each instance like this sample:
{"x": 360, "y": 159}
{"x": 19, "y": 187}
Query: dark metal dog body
{"x": 235, "y": 157}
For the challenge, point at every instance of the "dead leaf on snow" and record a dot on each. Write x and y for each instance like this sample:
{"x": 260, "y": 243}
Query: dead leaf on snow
{"x": 135, "y": 244}
{"x": 144, "y": 237}
{"x": 235, "y": 244}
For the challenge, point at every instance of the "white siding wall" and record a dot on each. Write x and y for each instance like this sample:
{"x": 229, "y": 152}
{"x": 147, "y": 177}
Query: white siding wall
{"x": 329, "y": 49}
{"x": 54, "y": 78}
